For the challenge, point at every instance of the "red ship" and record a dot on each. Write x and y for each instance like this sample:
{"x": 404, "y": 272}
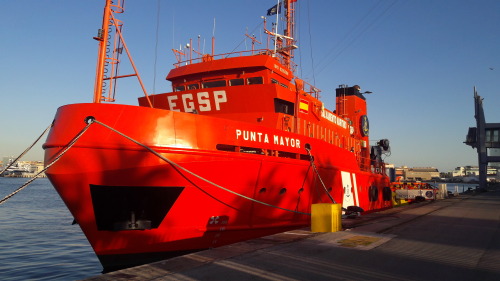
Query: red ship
{"x": 239, "y": 149}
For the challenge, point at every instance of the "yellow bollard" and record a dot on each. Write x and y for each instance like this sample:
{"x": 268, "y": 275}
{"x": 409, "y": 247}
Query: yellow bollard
{"x": 326, "y": 217}
{"x": 396, "y": 202}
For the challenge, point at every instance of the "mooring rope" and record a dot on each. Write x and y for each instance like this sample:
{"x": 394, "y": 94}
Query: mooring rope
{"x": 317, "y": 173}
{"x": 25, "y": 151}
{"x": 90, "y": 121}
{"x": 191, "y": 173}
{"x": 71, "y": 143}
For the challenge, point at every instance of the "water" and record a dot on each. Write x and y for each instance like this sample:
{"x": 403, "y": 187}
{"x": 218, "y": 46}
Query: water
{"x": 37, "y": 240}
{"x": 457, "y": 186}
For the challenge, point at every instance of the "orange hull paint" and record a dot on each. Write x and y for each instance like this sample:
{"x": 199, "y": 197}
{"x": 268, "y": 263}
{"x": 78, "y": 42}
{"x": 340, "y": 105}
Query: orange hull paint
{"x": 104, "y": 158}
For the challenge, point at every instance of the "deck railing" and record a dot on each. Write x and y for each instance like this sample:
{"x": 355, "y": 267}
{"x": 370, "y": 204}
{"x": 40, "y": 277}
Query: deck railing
{"x": 208, "y": 57}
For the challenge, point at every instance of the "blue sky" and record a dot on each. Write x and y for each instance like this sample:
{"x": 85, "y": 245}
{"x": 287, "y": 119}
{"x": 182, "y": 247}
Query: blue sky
{"x": 420, "y": 58}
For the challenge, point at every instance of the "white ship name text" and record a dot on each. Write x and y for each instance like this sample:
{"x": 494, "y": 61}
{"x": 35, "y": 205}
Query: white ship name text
{"x": 333, "y": 118}
{"x": 202, "y": 101}
{"x": 265, "y": 138}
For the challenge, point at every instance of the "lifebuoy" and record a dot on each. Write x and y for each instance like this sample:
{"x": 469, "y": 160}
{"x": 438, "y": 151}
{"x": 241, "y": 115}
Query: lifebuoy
{"x": 429, "y": 194}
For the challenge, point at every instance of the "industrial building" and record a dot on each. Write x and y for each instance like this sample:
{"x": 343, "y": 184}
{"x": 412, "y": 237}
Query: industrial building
{"x": 417, "y": 173}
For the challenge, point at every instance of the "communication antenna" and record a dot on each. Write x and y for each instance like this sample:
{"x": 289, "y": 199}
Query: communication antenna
{"x": 213, "y": 40}
{"x": 276, "y": 31}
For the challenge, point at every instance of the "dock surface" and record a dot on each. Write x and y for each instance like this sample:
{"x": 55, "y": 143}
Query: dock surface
{"x": 453, "y": 239}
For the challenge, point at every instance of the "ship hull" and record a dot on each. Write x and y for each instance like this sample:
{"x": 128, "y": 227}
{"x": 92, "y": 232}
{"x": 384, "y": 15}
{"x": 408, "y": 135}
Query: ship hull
{"x": 204, "y": 188}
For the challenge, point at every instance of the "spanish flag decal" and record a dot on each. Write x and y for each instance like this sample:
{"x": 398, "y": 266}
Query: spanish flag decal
{"x": 303, "y": 106}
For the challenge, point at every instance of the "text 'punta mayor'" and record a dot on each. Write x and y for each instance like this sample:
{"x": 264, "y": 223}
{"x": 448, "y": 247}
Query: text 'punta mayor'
{"x": 265, "y": 138}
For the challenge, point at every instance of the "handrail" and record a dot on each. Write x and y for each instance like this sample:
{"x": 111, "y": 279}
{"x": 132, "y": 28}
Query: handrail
{"x": 207, "y": 57}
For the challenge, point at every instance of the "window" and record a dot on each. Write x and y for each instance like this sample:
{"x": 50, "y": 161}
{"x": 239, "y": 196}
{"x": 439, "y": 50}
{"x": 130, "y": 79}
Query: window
{"x": 283, "y": 106}
{"x": 492, "y": 135}
{"x": 226, "y": 147}
{"x": 264, "y": 152}
{"x": 213, "y": 84}
{"x": 274, "y": 81}
{"x": 251, "y": 150}
{"x": 254, "y": 80}
{"x": 285, "y": 154}
{"x": 179, "y": 88}
{"x": 236, "y": 82}
{"x": 193, "y": 86}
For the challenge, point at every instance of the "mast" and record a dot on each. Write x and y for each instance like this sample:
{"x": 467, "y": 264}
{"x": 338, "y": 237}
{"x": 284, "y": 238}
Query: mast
{"x": 103, "y": 38}
{"x": 289, "y": 32}
{"x": 110, "y": 48}
{"x": 284, "y": 44}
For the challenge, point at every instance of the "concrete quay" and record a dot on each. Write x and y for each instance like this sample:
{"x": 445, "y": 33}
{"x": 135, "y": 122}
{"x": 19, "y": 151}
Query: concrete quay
{"x": 452, "y": 239}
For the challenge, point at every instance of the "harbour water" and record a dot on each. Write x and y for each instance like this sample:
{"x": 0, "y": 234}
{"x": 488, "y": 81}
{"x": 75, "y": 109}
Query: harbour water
{"x": 38, "y": 241}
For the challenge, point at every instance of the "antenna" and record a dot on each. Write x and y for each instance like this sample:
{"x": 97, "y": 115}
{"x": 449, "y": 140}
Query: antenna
{"x": 276, "y": 31}
{"x": 213, "y": 30}
{"x": 213, "y": 40}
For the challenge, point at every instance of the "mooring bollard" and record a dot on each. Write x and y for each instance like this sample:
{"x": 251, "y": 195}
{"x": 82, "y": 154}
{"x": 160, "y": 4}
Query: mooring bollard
{"x": 326, "y": 217}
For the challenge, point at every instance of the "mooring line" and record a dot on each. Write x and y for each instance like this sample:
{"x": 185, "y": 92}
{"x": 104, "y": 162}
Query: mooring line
{"x": 317, "y": 173}
{"x": 187, "y": 171}
{"x": 25, "y": 151}
{"x": 71, "y": 143}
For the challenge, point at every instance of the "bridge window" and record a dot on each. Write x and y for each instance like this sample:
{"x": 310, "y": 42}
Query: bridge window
{"x": 255, "y": 80}
{"x": 193, "y": 86}
{"x": 274, "y": 81}
{"x": 283, "y": 106}
{"x": 213, "y": 84}
{"x": 179, "y": 88}
{"x": 236, "y": 82}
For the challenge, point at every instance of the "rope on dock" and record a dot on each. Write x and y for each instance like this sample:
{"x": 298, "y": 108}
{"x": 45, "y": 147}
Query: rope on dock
{"x": 191, "y": 173}
{"x": 61, "y": 153}
{"x": 25, "y": 151}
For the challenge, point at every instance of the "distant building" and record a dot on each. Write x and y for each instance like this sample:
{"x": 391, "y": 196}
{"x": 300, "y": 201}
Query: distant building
{"x": 446, "y": 175}
{"x": 21, "y": 168}
{"x": 473, "y": 171}
{"x": 417, "y": 173}
{"x": 465, "y": 171}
